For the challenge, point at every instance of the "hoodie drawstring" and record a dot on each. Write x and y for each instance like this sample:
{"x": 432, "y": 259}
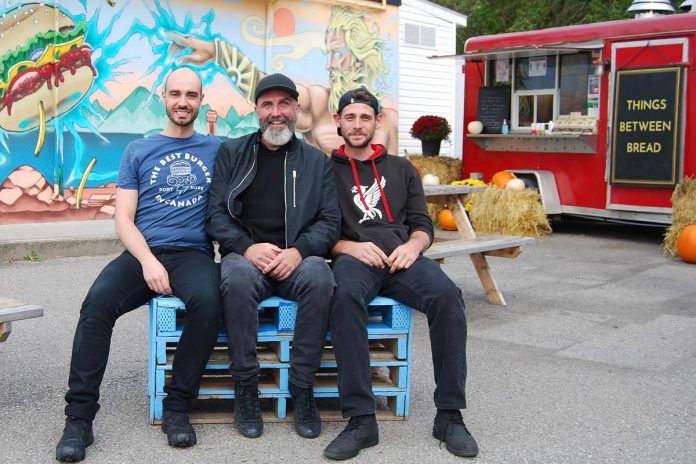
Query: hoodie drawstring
{"x": 381, "y": 191}
{"x": 356, "y": 179}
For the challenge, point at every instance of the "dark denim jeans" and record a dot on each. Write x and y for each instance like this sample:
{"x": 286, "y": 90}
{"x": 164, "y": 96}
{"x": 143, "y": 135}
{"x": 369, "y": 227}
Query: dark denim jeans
{"x": 423, "y": 287}
{"x": 121, "y": 288}
{"x": 244, "y": 286}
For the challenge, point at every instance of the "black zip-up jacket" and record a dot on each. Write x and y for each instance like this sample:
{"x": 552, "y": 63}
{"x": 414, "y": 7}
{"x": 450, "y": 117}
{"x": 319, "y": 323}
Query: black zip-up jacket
{"x": 390, "y": 204}
{"x": 312, "y": 217}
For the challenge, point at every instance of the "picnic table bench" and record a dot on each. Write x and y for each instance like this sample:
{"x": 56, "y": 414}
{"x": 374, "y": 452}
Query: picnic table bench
{"x": 476, "y": 246}
{"x": 14, "y": 310}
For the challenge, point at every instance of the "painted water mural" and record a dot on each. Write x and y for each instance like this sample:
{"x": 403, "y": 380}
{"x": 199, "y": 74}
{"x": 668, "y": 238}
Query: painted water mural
{"x": 81, "y": 79}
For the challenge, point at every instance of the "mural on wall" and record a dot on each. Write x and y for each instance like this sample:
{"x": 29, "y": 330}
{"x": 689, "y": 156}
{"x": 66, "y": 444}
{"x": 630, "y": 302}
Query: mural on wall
{"x": 79, "y": 80}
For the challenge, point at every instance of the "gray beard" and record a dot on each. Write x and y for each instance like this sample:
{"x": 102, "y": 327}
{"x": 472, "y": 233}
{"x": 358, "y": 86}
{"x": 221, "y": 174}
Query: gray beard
{"x": 278, "y": 136}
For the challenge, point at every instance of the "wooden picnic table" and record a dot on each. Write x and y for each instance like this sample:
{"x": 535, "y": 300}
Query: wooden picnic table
{"x": 476, "y": 246}
{"x": 14, "y": 310}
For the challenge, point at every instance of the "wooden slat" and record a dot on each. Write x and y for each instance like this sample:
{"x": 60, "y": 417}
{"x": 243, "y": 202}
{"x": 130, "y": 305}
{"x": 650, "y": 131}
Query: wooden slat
{"x": 377, "y": 354}
{"x": 487, "y": 280}
{"x": 330, "y": 379}
{"x": 512, "y": 252}
{"x": 5, "y": 329}
{"x": 434, "y": 190}
{"x": 265, "y": 355}
{"x": 7, "y": 302}
{"x": 17, "y": 312}
{"x": 209, "y": 417}
{"x": 479, "y": 244}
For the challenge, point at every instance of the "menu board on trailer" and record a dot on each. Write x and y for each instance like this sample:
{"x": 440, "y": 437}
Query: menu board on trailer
{"x": 646, "y": 126}
{"x": 493, "y": 107}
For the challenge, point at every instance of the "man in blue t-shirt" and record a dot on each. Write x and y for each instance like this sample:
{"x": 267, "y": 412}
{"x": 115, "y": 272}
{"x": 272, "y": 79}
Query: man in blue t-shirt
{"x": 160, "y": 214}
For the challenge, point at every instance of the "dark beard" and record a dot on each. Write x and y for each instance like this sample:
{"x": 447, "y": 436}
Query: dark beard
{"x": 361, "y": 145}
{"x": 194, "y": 116}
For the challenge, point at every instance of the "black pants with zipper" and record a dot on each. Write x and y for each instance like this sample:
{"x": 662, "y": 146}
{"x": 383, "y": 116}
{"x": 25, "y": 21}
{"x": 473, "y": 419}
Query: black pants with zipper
{"x": 120, "y": 288}
{"x": 423, "y": 287}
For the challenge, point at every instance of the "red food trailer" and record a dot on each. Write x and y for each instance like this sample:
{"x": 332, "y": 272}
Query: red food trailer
{"x": 599, "y": 117}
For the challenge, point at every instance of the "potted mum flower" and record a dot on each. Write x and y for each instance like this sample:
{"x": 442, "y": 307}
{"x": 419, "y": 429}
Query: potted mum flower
{"x": 431, "y": 130}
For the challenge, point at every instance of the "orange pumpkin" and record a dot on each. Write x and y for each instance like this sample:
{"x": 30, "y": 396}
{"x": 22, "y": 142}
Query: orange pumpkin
{"x": 446, "y": 220}
{"x": 501, "y": 178}
{"x": 686, "y": 244}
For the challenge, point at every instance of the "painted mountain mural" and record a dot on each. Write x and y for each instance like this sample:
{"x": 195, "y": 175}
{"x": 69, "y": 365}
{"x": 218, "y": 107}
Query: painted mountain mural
{"x": 144, "y": 113}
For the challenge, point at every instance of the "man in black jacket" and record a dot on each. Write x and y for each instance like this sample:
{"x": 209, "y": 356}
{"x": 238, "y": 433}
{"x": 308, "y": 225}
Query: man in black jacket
{"x": 385, "y": 229}
{"x": 272, "y": 209}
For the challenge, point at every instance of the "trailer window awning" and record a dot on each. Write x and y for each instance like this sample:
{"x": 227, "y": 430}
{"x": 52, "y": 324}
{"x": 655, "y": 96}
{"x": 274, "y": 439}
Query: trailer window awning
{"x": 530, "y": 50}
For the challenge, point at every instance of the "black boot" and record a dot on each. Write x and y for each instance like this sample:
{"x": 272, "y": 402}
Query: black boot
{"x": 449, "y": 427}
{"x": 361, "y": 432}
{"x": 77, "y": 435}
{"x": 305, "y": 415}
{"x": 247, "y": 411}
{"x": 179, "y": 432}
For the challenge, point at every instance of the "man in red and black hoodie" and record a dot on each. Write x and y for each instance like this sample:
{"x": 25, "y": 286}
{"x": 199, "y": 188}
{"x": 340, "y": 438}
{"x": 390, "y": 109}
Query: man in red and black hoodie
{"x": 384, "y": 230}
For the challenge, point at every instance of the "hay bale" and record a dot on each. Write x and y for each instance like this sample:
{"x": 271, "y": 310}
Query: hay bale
{"x": 509, "y": 212}
{"x": 446, "y": 168}
{"x": 683, "y": 213}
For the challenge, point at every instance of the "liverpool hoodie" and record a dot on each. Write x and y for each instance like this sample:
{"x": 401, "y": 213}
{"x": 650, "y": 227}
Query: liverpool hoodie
{"x": 381, "y": 199}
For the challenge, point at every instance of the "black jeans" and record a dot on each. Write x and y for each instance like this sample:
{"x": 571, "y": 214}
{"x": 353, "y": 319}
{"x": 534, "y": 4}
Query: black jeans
{"x": 424, "y": 287}
{"x": 244, "y": 286}
{"x": 194, "y": 278}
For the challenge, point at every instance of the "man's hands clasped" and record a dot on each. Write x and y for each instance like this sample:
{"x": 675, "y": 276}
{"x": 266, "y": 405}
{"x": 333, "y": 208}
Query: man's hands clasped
{"x": 272, "y": 260}
{"x": 402, "y": 257}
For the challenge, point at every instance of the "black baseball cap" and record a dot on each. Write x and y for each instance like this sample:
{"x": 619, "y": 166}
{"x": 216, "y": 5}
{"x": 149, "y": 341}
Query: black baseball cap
{"x": 363, "y": 96}
{"x": 275, "y": 82}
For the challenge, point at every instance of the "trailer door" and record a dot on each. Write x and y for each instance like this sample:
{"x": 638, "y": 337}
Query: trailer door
{"x": 646, "y": 129}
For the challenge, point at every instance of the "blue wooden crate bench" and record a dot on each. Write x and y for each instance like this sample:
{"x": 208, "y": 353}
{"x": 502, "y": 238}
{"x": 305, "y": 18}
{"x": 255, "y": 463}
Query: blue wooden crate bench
{"x": 389, "y": 333}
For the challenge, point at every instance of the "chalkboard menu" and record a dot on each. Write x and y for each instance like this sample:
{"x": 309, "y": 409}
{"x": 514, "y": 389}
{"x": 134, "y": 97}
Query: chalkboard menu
{"x": 493, "y": 107}
{"x": 646, "y": 129}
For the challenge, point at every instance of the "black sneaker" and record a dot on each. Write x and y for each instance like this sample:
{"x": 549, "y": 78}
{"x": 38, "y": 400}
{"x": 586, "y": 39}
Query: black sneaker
{"x": 449, "y": 427}
{"x": 180, "y": 433}
{"x": 361, "y": 432}
{"x": 77, "y": 435}
{"x": 247, "y": 411}
{"x": 305, "y": 415}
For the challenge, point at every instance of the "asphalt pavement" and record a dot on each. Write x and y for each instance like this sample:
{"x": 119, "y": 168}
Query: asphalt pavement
{"x": 592, "y": 361}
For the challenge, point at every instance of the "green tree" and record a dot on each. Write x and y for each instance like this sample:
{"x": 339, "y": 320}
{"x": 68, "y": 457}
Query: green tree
{"x": 498, "y": 16}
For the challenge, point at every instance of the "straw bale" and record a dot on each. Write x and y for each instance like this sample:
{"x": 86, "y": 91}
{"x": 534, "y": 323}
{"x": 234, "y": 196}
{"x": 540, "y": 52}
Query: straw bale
{"x": 446, "y": 168}
{"x": 683, "y": 213}
{"x": 509, "y": 212}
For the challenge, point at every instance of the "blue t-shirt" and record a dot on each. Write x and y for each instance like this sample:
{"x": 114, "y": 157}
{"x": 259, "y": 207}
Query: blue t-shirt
{"x": 172, "y": 176}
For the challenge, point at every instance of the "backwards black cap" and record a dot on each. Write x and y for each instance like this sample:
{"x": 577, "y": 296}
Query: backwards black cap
{"x": 359, "y": 95}
{"x": 275, "y": 82}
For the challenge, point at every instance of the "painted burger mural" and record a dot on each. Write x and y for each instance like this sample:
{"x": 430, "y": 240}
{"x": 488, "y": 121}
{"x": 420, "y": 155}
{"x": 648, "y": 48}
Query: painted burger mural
{"x": 45, "y": 68}
{"x": 81, "y": 79}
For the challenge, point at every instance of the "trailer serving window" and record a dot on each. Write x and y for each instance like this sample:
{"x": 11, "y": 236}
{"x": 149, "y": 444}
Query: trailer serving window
{"x": 545, "y": 86}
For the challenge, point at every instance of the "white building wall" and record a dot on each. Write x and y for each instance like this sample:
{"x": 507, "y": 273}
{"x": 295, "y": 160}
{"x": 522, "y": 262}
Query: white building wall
{"x": 426, "y": 86}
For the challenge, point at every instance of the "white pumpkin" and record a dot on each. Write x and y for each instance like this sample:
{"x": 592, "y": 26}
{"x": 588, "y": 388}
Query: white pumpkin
{"x": 475, "y": 127}
{"x": 515, "y": 184}
{"x": 430, "y": 179}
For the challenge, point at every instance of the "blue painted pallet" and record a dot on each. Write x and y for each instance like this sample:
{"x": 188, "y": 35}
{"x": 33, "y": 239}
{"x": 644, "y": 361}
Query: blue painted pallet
{"x": 390, "y": 326}
{"x": 277, "y": 316}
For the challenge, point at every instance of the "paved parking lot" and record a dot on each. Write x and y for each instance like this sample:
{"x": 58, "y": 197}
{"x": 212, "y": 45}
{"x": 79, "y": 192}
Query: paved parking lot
{"x": 592, "y": 361}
